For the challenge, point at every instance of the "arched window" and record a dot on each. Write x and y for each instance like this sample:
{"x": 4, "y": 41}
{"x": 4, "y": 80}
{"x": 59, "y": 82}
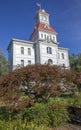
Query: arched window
{"x": 22, "y": 63}
{"x": 49, "y": 50}
{"x": 63, "y": 65}
{"x": 22, "y": 50}
{"x": 62, "y": 55}
{"x": 29, "y": 62}
{"x": 50, "y": 62}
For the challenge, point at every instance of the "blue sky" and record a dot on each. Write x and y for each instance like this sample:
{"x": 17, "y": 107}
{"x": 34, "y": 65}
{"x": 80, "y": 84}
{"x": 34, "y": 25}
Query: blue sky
{"x": 16, "y": 21}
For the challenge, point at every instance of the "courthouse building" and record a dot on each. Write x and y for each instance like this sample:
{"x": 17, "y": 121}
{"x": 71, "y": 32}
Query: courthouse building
{"x": 42, "y": 48}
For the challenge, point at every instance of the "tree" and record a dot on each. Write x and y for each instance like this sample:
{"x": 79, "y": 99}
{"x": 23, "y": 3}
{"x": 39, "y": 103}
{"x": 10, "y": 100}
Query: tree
{"x": 79, "y": 62}
{"x": 3, "y": 64}
{"x": 75, "y": 61}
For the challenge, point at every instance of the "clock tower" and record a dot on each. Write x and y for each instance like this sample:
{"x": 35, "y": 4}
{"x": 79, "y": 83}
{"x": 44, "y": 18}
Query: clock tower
{"x": 41, "y": 17}
{"x": 42, "y": 28}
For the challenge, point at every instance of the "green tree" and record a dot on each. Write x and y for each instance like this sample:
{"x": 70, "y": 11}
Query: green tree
{"x": 79, "y": 62}
{"x": 75, "y": 61}
{"x": 3, "y": 64}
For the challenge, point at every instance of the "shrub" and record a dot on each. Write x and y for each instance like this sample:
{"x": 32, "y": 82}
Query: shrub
{"x": 37, "y": 114}
{"x": 37, "y": 81}
{"x": 58, "y": 113}
{"x": 19, "y": 125}
{"x": 4, "y": 114}
{"x": 77, "y": 99}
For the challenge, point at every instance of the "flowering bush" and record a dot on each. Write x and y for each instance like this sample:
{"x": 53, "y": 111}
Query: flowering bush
{"x": 38, "y": 82}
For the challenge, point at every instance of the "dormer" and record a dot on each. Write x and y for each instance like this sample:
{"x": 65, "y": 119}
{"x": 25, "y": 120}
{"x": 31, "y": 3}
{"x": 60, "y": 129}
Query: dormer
{"x": 41, "y": 17}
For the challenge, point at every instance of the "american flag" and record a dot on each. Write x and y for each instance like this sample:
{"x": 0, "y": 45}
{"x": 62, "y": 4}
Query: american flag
{"x": 38, "y": 4}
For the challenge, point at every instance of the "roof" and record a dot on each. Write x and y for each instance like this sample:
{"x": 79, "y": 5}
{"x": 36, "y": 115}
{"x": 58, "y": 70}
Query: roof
{"x": 43, "y": 11}
{"x": 18, "y": 40}
{"x": 43, "y": 27}
{"x": 61, "y": 48}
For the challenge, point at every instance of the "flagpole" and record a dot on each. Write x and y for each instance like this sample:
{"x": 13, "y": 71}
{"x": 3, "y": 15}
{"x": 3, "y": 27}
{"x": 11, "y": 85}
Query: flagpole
{"x": 40, "y": 6}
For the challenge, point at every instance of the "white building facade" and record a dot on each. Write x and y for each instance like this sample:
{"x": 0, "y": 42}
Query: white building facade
{"x": 42, "y": 48}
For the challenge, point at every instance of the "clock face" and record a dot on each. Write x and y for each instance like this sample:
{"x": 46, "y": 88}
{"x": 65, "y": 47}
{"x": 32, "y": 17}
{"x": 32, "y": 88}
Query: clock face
{"x": 44, "y": 18}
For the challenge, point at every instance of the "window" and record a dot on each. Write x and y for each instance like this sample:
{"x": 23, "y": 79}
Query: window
{"x": 49, "y": 50}
{"x": 22, "y": 50}
{"x": 41, "y": 35}
{"x": 46, "y": 26}
{"x": 62, "y": 55}
{"x": 29, "y": 62}
{"x": 50, "y": 62}
{"x": 45, "y": 36}
{"x": 50, "y": 37}
{"x": 53, "y": 38}
{"x": 63, "y": 65}
{"x": 22, "y": 63}
{"x": 29, "y": 51}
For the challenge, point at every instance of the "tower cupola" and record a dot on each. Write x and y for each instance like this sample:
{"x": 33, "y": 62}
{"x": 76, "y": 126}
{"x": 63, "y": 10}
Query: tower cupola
{"x": 41, "y": 17}
{"x": 42, "y": 28}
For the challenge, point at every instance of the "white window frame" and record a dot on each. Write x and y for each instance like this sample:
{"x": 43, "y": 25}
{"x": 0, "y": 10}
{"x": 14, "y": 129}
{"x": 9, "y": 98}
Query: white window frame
{"x": 29, "y": 51}
{"x": 22, "y": 50}
{"x": 63, "y": 57}
{"x": 29, "y": 62}
{"x": 49, "y": 50}
{"x": 22, "y": 63}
